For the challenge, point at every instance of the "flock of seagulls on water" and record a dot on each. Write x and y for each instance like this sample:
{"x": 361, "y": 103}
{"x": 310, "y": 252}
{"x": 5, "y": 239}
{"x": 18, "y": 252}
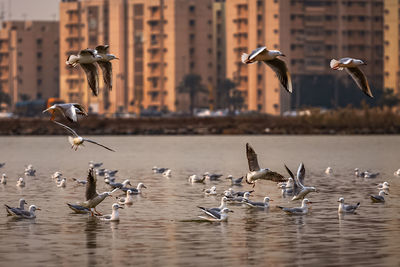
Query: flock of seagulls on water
{"x": 89, "y": 59}
{"x": 292, "y": 187}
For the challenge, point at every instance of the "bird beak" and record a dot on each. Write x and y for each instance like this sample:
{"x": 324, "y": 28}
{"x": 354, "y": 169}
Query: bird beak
{"x": 121, "y": 207}
{"x": 144, "y": 186}
{"x": 365, "y": 63}
{"x": 309, "y": 202}
{"x": 38, "y": 209}
{"x": 283, "y": 55}
{"x": 271, "y": 200}
{"x": 338, "y": 201}
{"x": 117, "y": 58}
{"x": 230, "y": 210}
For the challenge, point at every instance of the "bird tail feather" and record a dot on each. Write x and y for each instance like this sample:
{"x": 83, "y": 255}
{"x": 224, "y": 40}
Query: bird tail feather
{"x": 334, "y": 64}
{"x": 71, "y": 140}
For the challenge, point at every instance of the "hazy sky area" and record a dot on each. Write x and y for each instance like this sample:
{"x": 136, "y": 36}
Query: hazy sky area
{"x": 29, "y": 9}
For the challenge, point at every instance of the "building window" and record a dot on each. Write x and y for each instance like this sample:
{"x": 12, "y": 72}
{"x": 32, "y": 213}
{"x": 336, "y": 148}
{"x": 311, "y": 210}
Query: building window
{"x": 39, "y": 54}
{"x": 192, "y": 22}
{"x": 39, "y": 82}
{"x": 19, "y": 40}
{"x": 192, "y": 8}
{"x": 39, "y": 68}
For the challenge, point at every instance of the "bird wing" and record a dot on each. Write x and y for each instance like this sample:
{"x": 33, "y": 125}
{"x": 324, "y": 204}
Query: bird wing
{"x": 297, "y": 182}
{"x": 252, "y": 158}
{"x": 282, "y": 72}
{"x": 91, "y": 180}
{"x": 70, "y": 113}
{"x": 360, "y": 79}
{"x": 93, "y": 142}
{"x": 102, "y": 49}
{"x": 257, "y": 51}
{"x": 301, "y": 173}
{"x": 92, "y": 77}
{"x": 211, "y": 212}
{"x": 345, "y": 60}
{"x": 81, "y": 109}
{"x": 87, "y": 52}
{"x": 106, "y": 67}
{"x": 67, "y": 128}
{"x": 273, "y": 176}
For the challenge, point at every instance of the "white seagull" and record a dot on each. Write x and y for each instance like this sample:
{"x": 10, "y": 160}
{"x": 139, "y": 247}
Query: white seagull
{"x": 114, "y": 216}
{"x": 298, "y": 210}
{"x": 301, "y": 191}
{"x": 21, "y": 182}
{"x": 105, "y": 64}
{"x": 351, "y": 67}
{"x": 68, "y": 110}
{"x": 135, "y": 191}
{"x": 3, "y": 179}
{"x": 62, "y": 183}
{"x": 211, "y": 191}
{"x": 215, "y": 216}
{"x": 77, "y": 140}
{"x": 167, "y": 173}
{"x": 79, "y": 182}
{"x": 126, "y": 200}
{"x": 234, "y": 181}
{"x": 10, "y": 210}
{"x": 196, "y": 179}
{"x": 329, "y": 170}
{"x": 256, "y": 172}
{"x": 384, "y": 186}
{"x": 23, "y": 214}
{"x": 86, "y": 59}
{"x": 259, "y": 205}
{"x": 343, "y": 208}
{"x": 397, "y": 173}
{"x": 379, "y": 198}
{"x": 270, "y": 57}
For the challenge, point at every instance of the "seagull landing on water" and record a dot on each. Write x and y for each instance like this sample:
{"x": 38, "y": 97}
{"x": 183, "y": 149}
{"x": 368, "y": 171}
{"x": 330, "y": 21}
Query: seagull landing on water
{"x": 343, "y": 208}
{"x": 86, "y": 59}
{"x": 68, "y": 110}
{"x": 270, "y": 57}
{"x": 351, "y": 67}
{"x": 301, "y": 191}
{"x": 105, "y": 64}
{"x": 77, "y": 140}
{"x": 256, "y": 172}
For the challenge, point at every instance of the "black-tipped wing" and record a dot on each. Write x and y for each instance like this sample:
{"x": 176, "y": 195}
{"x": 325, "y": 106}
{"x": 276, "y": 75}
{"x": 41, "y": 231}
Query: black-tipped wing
{"x": 93, "y": 142}
{"x": 92, "y": 77}
{"x": 282, "y": 72}
{"x": 106, "y": 67}
{"x": 91, "y": 180}
{"x": 273, "y": 176}
{"x": 252, "y": 158}
{"x": 360, "y": 79}
{"x": 211, "y": 212}
{"x": 87, "y": 52}
{"x": 81, "y": 109}
{"x": 102, "y": 49}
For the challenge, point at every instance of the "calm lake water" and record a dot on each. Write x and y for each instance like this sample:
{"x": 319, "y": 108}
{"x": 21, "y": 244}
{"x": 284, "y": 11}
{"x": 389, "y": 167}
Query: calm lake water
{"x": 161, "y": 227}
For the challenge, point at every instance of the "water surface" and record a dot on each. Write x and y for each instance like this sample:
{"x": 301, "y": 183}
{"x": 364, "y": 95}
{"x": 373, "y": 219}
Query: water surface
{"x": 160, "y": 228}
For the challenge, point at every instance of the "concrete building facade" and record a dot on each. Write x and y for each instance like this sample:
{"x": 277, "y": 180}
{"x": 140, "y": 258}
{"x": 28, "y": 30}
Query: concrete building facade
{"x": 29, "y": 60}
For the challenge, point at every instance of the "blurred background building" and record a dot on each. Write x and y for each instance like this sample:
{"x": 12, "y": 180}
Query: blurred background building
{"x": 28, "y": 61}
{"x": 176, "y": 55}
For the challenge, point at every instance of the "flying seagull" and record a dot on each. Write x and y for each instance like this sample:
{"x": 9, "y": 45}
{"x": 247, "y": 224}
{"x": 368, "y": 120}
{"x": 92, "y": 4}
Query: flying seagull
{"x": 301, "y": 191}
{"x": 105, "y": 64}
{"x": 351, "y": 66}
{"x": 77, "y": 140}
{"x": 343, "y": 208}
{"x": 256, "y": 172}
{"x": 69, "y": 110}
{"x": 270, "y": 57}
{"x": 86, "y": 59}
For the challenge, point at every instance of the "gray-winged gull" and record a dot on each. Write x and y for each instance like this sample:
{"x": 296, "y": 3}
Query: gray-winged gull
{"x": 135, "y": 191}
{"x": 260, "y": 205}
{"x": 343, "y": 208}
{"x": 234, "y": 181}
{"x": 301, "y": 191}
{"x": 68, "y": 110}
{"x": 211, "y": 191}
{"x": 270, "y": 57}
{"x": 215, "y": 216}
{"x": 114, "y": 216}
{"x": 379, "y": 198}
{"x": 126, "y": 200}
{"x": 21, "y": 182}
{"x": 256, "y": 172}
{"x": 384, "y": 186}
{"x": 62, "y": 183}
{"x": 105, "y": 64}
{"x": 23, "y": 214}
{"x": 196, "y": 179}
{"x": 298, "y": 210}
{"x": 22, "y": 204}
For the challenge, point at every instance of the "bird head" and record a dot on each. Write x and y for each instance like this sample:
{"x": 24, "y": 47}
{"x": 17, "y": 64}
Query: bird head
{"x": 341, "y": 200}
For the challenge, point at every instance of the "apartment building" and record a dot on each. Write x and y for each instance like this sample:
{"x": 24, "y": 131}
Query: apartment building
{"x": 29, "y": 60}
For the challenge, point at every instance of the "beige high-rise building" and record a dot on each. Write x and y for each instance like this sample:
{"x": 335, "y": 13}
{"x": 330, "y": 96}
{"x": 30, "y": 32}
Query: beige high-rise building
{"x": 310, "y": 34}
{"x": 391, "y": 45}
{"x": 158, "y": 43}
{"x": 29, "y": 60}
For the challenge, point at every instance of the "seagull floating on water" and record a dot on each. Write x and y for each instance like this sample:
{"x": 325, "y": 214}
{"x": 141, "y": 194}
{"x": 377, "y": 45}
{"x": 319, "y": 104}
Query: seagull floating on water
{"x": 62, "y": 183}
{"x": 2, "y": 164}
{"x": 22, "y": 204}
{"x": 351, "y": 65}
{"x": 397, "y": 173}
{"x": 212, "y": 176}
{"x": 211, "y": 191}
{"x": 135, "y": 191}
{"x": 329, "y": 170}
{"x": 368, "y": 174}
{"x": 196, "y": 179}
{"x": 221, "y": 206}
{"x": 270, "y": 57}
{"x": 298, "y": 210}
{"x": 77, "y": 140}
{"x": 23, "y": 214}
{"x": 79, "y": 182}
{"x": 126, "y": 200}
{"x": 114, "y": 216}
{"x": 68, "y": 110}
{"x": 256, "y": 172}
{"x": 95, "y": 165}
{"x": 159, "y": 170}
{"x": 167, "y": 173}
{"x": 29, "y": 170}
{"x": 384, "y": 186}
{"x": 21, "y": 182}
{"x": 215, "y": 216}
{"x": 259, "y": 205}
{"x": 3, "y": 179}
{"x": 86, "y": 59}
{"x": 234, "y": 181}
{"x": 239, "y": 199}
{"x": 343, "y": 208}
{"x": 120, "y": 185}
{"x": 379, "y": 198}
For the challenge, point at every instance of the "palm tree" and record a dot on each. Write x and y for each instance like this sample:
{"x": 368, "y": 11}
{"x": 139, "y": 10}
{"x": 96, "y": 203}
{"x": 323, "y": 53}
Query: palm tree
{"x": 191, "y": 84}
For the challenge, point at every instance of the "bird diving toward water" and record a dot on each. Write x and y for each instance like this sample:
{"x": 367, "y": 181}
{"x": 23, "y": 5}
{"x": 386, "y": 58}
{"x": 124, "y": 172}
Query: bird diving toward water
{"x": 351, "y": 67}
{"x": 68, "y": 110}
{"x": 86, "y": 59}
{"x": 105, "y": 64}
{"x": 256, "y": 172}
{"x": 270, "y": 57}
{"x": 77, "y": 140}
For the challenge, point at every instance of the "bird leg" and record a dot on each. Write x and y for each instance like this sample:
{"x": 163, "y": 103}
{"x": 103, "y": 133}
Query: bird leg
{"x": 97, "y": 213}
{"x": 91, "y": 212}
